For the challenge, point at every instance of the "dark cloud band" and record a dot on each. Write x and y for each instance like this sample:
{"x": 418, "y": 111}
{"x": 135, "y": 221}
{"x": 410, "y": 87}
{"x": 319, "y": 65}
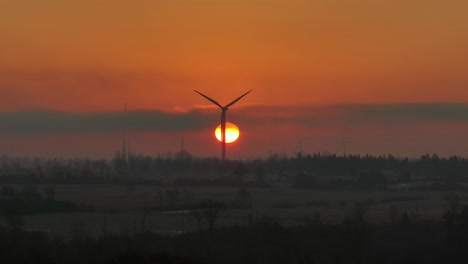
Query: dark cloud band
{"x": 197, "y": 119}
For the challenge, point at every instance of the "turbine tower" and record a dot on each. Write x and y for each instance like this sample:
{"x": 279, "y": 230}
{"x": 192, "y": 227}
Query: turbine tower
{"x": 124, "y": 143}
{"x": 299, "y": 144}
{"x": 223, "y": 119}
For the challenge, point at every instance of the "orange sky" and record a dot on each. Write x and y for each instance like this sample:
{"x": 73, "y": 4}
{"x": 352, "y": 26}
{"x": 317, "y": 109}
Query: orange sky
{"x": 149, "y": 51}
{"x": 96, "y": 55}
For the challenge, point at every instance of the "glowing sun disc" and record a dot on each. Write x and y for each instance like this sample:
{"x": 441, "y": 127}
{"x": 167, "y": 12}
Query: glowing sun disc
{"x": 232, "y": 132}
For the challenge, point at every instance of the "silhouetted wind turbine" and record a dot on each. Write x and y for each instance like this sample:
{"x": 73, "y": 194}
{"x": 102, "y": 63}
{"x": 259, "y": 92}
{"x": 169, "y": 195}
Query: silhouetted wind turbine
{"x": 299, "y": 144}
{"x": 343, "y": 144}
{"x": 124, "y": 143}
{"x": 223, "y": 119}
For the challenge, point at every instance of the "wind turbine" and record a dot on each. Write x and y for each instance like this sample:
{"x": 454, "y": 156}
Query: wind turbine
{"x": 299, "y": 144}
{"x": 223, "y": 119}
{"x": 124, "y": 143}
{"x": 343, "y": 144}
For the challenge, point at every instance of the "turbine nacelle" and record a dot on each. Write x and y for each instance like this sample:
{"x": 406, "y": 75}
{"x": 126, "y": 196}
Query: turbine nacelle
{"x": 223, "y": 118}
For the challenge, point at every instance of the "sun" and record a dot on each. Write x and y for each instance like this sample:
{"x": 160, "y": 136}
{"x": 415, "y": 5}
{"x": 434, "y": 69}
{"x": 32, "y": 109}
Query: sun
{"x": 232, "y": 132}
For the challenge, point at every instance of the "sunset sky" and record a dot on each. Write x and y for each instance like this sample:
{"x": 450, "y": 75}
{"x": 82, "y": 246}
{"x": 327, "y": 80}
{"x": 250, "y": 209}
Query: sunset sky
{"x": 388, "y": 76}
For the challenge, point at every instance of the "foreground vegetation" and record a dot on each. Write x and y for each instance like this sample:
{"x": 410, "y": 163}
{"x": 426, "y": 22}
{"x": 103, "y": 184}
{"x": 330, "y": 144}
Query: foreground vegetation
{"x": 263, "y": 241}
{"x": 298, "y": 188}
{"x": 404, "y": 237}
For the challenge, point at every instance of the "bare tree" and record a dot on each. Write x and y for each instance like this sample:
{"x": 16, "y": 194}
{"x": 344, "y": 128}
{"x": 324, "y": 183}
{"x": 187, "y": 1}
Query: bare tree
{"x": 173, "y": 196}
{"x": 146, "y": 212}
{"x": 208, "y": 212}
{"x": 212, "y": 211}
{"x": 198, "y": 215}
{"x": 452, "y": 216}
{"x": 49, "y": 193}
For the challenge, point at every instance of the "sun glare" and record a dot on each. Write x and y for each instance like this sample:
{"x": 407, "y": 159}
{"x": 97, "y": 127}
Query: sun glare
{"x": 232, "y": 132}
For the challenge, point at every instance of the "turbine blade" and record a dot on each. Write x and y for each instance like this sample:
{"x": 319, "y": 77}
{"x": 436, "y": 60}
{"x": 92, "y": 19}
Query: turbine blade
{"x": 233, "y": 102}
{"x": 211, "y": 100}
{"x": 338, "y": 148}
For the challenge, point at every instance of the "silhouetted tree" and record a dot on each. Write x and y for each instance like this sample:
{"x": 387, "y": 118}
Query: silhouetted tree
{"x": 8, "y": 192}
{"x": 212, "y": 211}
{"x": 243, "y": 198}
{"x": 208, "y": 213}
{"x": 199, "y": 218}
{"x": 372, "y": 177}
{"x": 50, "y": 193}
{"x": 172, "y": 196}
{"x": 13, "y": 218}
{"x": 260, "y": 173}
{"x": 452, "y": 215}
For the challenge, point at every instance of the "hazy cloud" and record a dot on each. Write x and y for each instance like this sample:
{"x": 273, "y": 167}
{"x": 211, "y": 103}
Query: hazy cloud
{"x": 354, "y": 114}
{"x": 51, "y": 121}
{"x": 410, "y": 113}
{"x": 255, "y": 115}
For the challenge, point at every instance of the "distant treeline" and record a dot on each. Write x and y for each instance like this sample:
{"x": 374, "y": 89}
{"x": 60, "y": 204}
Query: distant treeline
{"x": 184, "y": 167}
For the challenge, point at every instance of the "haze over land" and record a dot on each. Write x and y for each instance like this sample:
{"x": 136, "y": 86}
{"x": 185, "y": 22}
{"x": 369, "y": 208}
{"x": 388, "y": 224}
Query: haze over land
{"x": 390, "y": 76}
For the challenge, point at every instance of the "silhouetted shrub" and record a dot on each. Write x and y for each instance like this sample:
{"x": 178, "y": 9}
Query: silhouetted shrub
{"x": 242, "y": 199}
{"x": 318, "y": 203}
{"x": 371, "y": 178}
{"x": 304, "y": 180}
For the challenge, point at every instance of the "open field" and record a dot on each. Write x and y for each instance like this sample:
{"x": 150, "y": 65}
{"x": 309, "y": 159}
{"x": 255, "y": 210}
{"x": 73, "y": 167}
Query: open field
{"x": 116, "y": 209}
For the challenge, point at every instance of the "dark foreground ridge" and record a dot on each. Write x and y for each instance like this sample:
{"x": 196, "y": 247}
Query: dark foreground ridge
{"x": 181, "y": 209}
{"x": 263, "y": 241}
